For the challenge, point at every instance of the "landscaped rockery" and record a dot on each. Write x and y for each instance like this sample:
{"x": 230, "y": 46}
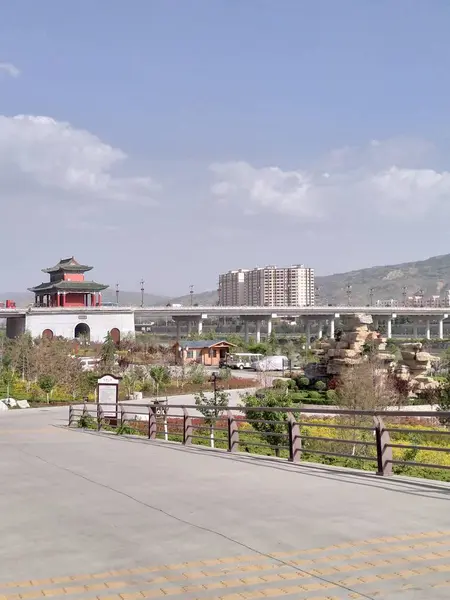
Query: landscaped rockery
{"x": 356, "y": 343}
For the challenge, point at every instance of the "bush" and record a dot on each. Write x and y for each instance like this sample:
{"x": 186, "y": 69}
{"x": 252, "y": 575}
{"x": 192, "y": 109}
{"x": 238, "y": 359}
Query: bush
{"x": 280, "y": 384}
{"x": 302, "y": 382}
{"x": 292, "y": 385}
{"x": 320, "y": 386}
{"x": 297, "y": 399}
{"x": 309, "y": 397}
{"x": 197, "y": 374}
{"x": 331, "y": 396}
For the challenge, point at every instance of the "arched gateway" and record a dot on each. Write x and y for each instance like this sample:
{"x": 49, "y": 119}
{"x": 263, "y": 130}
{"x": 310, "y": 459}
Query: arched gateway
{"x": 82, "y": 330}
{"x": 115, "y": 335}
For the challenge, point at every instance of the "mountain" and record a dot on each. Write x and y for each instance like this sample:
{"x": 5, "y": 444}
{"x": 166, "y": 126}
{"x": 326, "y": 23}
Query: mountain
{"x": 431, "y": 275}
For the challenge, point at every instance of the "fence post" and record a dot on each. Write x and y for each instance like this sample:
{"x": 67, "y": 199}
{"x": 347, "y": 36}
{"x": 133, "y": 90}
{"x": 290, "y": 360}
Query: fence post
{"x": 121, "y": 414}
{"x": 70, "y": 415}
{"x": 152, "y": 428}
{"x": 233, "y": 433}
{"x": 187, "y": 428}
{"x": 384, "y": 451}
{"x": 295, "y": 441}
{"x": 99, "y": 416}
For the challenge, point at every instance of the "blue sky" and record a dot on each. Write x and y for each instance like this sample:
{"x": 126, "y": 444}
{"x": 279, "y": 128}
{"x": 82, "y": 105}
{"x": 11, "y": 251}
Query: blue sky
{"x": 183, "y": 138}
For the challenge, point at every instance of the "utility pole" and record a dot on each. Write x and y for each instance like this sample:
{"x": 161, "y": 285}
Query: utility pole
{"x": 191, "y": 292}
{"x": 317, "y": 295}
{"x": 349, "y": 294}
{"x": 371, "y": 291}
{"x": 404, "y": 293}
{"x": 117, "y": 293}
{"x": 142, "y": 293}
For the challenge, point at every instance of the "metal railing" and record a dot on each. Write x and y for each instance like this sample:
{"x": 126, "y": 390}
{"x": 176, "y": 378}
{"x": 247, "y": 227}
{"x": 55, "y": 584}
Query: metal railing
{"x": 292, "y": 433}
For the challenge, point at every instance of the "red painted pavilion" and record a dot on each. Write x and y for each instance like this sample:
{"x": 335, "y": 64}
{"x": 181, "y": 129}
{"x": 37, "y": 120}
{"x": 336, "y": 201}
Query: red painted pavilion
{"x": 67, "y": 287}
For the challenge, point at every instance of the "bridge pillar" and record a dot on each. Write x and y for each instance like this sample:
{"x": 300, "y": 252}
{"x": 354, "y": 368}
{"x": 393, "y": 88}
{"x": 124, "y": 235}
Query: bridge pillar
{"x": 320, "y": 331}
{"x": 199, "y": 326}
{"x": 178, "y": 329}
{"x": 308, "y": 333}
{"x": 246, "y": 336}
{"x": 415, "y": 329}
{"x": 441, "y": 326}
{"x": 258, "y": 330}
{"x": 269, "y": 327}
{"x": 332, "y": 328}
{"x": 428, "y": 330}
{"x": 389, "y": 327}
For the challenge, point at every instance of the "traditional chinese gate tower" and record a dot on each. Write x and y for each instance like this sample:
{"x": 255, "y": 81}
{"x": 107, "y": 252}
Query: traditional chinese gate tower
{"x": 67, "y": 287}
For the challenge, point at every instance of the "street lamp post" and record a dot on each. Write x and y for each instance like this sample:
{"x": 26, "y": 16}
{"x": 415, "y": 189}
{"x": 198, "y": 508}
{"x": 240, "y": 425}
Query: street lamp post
{"x": 214, "y": 382}
{"x": 349, "y": 294}
{"x": 404, "y": 293}
{"x": 191, "y": 292}
{"x": 371, "y": 291}
{"x": 117, "y": 293}
{"x": 142, "y": 292}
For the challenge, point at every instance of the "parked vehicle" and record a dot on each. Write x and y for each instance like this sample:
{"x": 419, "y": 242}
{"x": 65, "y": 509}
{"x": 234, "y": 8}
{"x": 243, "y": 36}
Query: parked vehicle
{"x": 271, "y": 363}
{"x": 242, "y": 360}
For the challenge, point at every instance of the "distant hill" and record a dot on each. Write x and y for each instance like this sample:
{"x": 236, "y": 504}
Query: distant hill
{"x": 431, "y": 275}
{"x": 126, "y": 298}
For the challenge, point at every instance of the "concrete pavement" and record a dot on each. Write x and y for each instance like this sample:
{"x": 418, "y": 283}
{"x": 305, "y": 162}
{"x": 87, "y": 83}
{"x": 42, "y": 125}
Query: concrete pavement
{"x": 103, "y": 517}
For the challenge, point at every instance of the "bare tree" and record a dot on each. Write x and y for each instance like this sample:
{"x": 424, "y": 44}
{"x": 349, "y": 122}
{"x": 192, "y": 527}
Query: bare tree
{"x": 366, "y": 386}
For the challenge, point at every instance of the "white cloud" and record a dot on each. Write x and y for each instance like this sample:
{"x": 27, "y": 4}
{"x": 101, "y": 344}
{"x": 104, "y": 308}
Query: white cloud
{"x": 388, "y": 178}
{"x": 267, "y": 188}
{"x": 43, "y": 160}
{"x": 9, "y": 69}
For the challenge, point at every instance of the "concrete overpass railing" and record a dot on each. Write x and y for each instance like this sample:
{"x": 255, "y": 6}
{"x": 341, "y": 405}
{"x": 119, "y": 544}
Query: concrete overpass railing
{"x": 352, "y": 438}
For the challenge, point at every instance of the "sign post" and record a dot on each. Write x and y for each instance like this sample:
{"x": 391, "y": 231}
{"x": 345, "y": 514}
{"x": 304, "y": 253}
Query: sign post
{"x": 108, "y": 393}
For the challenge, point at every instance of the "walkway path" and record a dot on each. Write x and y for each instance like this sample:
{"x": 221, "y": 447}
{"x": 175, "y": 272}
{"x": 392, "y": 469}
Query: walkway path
{"x": 101, "y": 517}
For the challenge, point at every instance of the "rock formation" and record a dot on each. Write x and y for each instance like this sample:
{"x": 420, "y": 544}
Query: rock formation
{"x": 351, "y": 347}
{"x": 354, "y": 344}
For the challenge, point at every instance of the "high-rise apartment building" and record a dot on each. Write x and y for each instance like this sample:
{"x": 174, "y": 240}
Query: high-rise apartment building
{"x": 268, "y": 286}
{"x": 231, "y": 288}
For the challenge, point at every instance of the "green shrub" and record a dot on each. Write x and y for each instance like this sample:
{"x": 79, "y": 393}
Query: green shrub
{"x": 320, "y": 386}
{"x": 302, "y": 382}
{"x": 280, "y": 384}
{"x": 331, "y": 396}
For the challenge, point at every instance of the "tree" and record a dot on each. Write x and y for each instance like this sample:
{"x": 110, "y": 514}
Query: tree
{"x": 212, "y": 407}
{"x": 443, "y": 400}
{"x": 272, "y": 344}
{"x": 8, "y": 377}
{"x": 108, "y": 353}
{"x": 258, "y": 348}
{"x": 161, "y": 378}
{"x": 273, "y": 428}
{"x": 47, "y": 383}
{"x": 129, "y": 380}
{"x": 366, "y": 386}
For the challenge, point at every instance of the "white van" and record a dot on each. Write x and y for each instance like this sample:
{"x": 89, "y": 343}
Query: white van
{"x": 272, "y": 363}
{"x": 242, "y": 360}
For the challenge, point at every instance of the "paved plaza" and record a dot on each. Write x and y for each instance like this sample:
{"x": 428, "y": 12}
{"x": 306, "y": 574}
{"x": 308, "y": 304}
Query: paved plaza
{"x": 88, "y": 516}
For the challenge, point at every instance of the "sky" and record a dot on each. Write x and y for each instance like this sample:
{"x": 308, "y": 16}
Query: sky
{"x": 172, "y": 140}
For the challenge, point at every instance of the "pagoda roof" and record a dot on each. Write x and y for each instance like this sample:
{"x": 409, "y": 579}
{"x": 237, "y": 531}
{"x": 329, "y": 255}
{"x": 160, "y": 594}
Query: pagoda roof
{"x": 69, "y": 265}
{"x": 69, "y": 286}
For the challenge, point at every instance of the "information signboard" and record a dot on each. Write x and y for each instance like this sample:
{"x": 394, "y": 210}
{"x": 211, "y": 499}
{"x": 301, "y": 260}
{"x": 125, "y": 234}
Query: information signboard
{"x": 108, "y": 394}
